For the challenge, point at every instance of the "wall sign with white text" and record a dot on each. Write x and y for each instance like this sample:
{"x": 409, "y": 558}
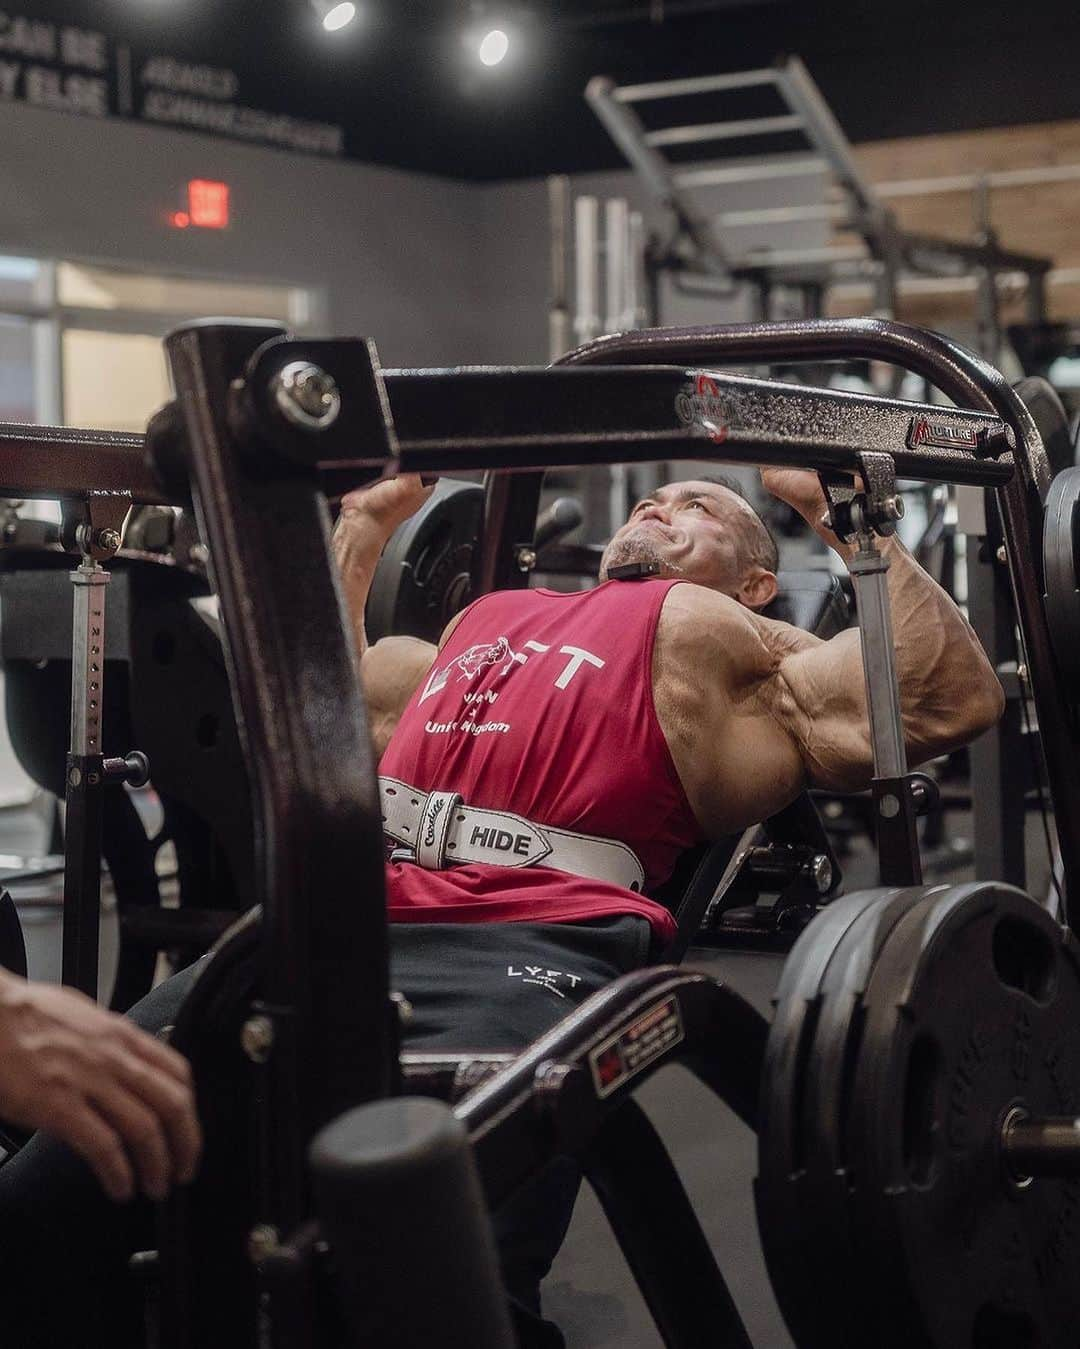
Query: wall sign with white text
{"x": 68, "y": 69}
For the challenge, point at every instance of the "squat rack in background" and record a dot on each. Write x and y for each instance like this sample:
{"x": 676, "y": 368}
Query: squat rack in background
{"x": 699, "y": 260}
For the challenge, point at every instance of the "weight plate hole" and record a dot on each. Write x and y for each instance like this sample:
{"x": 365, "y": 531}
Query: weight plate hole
{"x": 1003, "y": 1328}
{"x": 920, "y": 1110}
{"x": 1024, "y": 959}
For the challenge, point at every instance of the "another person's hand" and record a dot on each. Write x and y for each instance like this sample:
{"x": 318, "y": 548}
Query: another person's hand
{"x": 385, "y": 504}
{"x": 119, "y": 1098}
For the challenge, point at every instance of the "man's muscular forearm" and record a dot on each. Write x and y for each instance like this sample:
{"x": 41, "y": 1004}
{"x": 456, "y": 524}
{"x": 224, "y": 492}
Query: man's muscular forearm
{"x": 368, "y": 518}
{"x": 392, "y": 668}
{"x": 949, "y": 692}
{"x": 358, "y": 543}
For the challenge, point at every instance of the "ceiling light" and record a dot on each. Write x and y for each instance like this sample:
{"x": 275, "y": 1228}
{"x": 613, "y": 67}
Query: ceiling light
{"x": 493, "y": 47}
{"x": 335, "y": 14}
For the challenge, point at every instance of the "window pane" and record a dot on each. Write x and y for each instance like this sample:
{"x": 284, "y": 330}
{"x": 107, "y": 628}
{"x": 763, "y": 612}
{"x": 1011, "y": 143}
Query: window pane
{"x": 18, "y": 402}
{"x": 22, "y": 282}
{"x": 113, "y": 381}
{"x": 102, "y": 288}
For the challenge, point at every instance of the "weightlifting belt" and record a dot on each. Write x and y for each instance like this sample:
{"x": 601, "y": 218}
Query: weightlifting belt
{"x": 436, "y": 830}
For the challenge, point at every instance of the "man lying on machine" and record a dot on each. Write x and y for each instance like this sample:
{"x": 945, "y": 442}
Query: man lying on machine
{"x": 541, "y": 771}
{"x": 544, "y": 768}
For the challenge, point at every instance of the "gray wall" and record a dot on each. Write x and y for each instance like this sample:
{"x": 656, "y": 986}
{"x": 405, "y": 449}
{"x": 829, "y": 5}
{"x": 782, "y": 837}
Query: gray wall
{"x": 515, "y": 238}
{"x": 437, "y": 271}
{"x": 394, "y": 251}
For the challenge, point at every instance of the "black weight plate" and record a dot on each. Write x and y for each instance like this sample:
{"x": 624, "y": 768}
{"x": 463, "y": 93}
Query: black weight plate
{"x": 424, "y": 576}
{"x": 972, "y": 1007}
{"x": 825, "y": 1225}
{"x": 781, "y": 1160}
{"x": 1061, "y": 523}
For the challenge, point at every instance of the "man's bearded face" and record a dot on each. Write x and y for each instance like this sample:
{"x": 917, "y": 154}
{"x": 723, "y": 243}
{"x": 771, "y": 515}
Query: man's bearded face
{"x": 694, "y": 531}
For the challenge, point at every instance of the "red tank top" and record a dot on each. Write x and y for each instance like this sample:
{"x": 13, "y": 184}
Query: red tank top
{"x": 541, "y": 703}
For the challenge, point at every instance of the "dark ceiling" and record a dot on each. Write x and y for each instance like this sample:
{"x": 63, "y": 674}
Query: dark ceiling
{"x": 400, "y": 81}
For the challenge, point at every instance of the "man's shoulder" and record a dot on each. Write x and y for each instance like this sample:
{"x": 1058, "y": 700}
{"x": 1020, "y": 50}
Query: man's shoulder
{"x": 700, "y": 625}
{"x": 697, "y": 608}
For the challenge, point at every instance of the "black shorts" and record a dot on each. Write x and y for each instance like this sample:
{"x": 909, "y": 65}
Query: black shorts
{"x": 498, "y": 986}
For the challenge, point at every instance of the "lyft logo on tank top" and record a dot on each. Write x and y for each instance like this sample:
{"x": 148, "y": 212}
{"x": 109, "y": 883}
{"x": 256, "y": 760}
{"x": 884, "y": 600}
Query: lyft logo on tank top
{"x": 500, "y": 656}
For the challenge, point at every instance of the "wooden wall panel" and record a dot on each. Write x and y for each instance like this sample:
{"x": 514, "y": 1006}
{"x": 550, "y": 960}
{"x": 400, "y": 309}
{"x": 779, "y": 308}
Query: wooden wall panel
{"x": 1039, "y": 218}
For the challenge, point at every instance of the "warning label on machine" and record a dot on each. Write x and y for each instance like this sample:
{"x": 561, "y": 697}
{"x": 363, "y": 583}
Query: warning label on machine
{"x": 625, "y": 1055}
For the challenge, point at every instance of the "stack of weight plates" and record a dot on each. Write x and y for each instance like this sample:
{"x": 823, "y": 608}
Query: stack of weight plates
{"x": 908, "y": 1024}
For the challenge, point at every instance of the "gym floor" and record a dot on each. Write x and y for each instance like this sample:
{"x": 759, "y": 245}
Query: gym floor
{"x": 590, "y": 1292}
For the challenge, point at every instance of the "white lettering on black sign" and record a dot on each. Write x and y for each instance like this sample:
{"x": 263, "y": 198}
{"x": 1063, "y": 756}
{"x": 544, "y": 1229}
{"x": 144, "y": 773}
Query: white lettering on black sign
{"x": 68, "y": 69}
{"x": 48, "y": 65}
{"x": 162, "y": 72}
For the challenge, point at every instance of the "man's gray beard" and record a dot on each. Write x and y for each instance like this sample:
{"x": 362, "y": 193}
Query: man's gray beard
{"x": 620, "y": 552}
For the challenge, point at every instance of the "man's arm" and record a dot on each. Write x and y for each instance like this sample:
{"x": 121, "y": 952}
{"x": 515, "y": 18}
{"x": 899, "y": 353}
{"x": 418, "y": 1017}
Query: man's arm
{"x": 949, "y": 693}
{"x": 392, "y": 667}
{"x": 118, "y": 1097}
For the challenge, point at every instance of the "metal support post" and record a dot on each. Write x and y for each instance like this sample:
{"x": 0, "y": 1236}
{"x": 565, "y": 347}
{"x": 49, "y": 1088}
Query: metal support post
{"x": 859, "y": 517}
{"x": 586, "y": 268}
{"x": 998, "y": 809}
{"x": 93, "y": 529}
{"x": 894, "y": 803}
{"x": 559, "y": 311}
{"x": 616, "y": 248}
{"x": 636, "y": 313}
{"x": 85, "y": 781}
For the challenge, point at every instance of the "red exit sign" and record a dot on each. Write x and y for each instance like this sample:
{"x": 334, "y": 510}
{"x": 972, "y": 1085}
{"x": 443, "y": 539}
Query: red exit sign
{"x": 207, "y": 206}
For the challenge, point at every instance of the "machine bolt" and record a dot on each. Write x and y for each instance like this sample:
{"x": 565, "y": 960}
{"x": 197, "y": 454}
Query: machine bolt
{"x": 199, "y": 554}
{"x": 1022, "y": 672}
{"x": 526, "y": 559}
{"x": 818, "y": 872}
{"x": 893, "y": 508}
{"x": 404, "y": 1008}
{"x": 108, "y": 540}
{"x": 549, "y": 1077}
{"x": 263, "y": 1241}
{"x": 889, "y": 806}
{"x": 257, "y": 1038}
{"x": 1001, "y": 555}
{"x": 307, "y": 395}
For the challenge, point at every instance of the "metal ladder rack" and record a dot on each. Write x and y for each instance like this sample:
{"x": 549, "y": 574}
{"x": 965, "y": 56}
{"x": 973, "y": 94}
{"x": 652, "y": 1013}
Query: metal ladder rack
{"x": 696, "y": 248}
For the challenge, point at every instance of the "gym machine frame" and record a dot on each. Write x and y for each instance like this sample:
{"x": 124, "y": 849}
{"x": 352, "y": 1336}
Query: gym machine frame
{"x": 263, "y": 448}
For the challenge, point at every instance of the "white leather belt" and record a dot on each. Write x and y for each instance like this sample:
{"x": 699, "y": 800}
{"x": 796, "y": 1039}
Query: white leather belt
{"x": 440, "y": 830}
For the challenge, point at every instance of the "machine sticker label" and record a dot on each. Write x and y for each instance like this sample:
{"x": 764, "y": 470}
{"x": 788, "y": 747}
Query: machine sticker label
{"x": 941, "y": 435}
{"x": 702, "y": 406}
{"x": 625, "y": 1055}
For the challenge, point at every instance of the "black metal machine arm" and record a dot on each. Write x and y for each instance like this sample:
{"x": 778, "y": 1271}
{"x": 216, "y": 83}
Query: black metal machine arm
{"x": 323, "y": 1034}
{"x": 552, "y": 1098}
{"x": 522, "y": 420}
